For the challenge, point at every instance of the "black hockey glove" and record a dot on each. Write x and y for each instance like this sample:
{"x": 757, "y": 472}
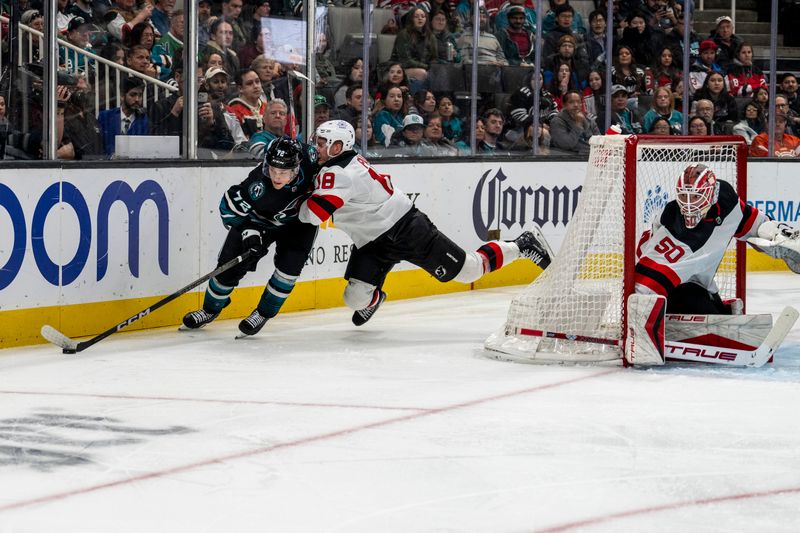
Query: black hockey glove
{"x": 251, "y": 240}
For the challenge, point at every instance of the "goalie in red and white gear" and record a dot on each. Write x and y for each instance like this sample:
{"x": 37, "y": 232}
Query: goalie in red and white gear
{"x": 387, "y": 228}
{"x": 679, "y": 256}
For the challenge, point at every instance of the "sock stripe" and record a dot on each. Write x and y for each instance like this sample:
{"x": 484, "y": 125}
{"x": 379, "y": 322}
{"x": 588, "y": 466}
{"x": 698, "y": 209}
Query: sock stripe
{"x": 493, "y": 255}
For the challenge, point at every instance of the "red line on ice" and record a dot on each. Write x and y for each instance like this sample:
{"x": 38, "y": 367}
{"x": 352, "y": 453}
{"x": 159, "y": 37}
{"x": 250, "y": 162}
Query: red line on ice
{"x": 293, "y": 443}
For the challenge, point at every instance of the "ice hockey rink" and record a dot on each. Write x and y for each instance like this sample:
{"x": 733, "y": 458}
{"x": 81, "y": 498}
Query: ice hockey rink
{"x": 402, "y": 425}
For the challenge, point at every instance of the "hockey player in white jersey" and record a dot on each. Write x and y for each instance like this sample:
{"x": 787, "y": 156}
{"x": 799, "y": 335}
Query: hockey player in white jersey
{"x": 679, "y": 256}
{"x": 386, "y": 228}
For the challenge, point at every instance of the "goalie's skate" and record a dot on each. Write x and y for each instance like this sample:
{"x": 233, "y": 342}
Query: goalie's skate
{"x": 252, "y": 324}
{"x": 361, "y": 316}
{"x": 533, "y": 246}
{"x": 198, "y": 319}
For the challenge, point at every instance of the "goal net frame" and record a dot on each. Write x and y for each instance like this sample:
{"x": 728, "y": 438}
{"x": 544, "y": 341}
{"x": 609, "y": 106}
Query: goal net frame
{"x": 541, "y": 342}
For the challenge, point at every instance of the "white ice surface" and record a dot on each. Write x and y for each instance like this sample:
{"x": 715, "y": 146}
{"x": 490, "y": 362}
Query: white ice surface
{"x": 399, "y": 426}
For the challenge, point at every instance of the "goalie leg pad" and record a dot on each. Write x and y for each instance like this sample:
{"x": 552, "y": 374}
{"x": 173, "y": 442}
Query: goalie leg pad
{"x": 644, "y": 344}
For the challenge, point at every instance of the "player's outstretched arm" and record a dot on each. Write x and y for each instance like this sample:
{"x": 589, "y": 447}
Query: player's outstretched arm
{"x": 779, "y": 240}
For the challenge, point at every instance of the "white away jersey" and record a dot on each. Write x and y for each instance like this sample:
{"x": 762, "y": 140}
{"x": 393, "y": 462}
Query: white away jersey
{"x": 669, "y": 254}
{"x": 362, "y": 202}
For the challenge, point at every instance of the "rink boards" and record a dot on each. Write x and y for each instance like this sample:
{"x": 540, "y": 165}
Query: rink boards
{"x": 81, "y": 249}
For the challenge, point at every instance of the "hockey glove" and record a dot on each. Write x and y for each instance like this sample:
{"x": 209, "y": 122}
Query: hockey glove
{"x": 780, "y": 241}
{"x": 251, "y": 240}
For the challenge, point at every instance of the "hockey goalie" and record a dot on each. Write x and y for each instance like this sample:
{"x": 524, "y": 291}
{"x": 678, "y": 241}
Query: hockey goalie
{"x": 676, "y": 311}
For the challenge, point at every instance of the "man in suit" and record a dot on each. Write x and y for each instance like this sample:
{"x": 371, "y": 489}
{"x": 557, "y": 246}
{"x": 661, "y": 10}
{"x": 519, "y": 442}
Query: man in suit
{"x": 127, "y": 119}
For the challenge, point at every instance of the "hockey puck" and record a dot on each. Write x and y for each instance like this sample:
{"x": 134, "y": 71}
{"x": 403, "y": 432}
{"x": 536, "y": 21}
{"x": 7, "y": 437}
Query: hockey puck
{"x": 70, "y": 350}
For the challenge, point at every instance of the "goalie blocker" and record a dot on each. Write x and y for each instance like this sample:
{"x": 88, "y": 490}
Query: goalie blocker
{"x": 737, "y": 340}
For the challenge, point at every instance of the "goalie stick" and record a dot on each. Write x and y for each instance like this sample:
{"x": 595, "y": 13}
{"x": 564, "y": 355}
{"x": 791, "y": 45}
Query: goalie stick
{"x": 688, "y": 351}
{"x": 71, "y": 346}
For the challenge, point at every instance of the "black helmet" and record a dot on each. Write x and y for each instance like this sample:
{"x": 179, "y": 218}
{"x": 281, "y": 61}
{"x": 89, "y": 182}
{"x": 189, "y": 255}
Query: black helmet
{"x": 282, "y": 153}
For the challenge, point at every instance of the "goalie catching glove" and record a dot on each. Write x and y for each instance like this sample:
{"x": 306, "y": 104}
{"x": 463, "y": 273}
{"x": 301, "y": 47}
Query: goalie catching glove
{"x": 780, "y": 241}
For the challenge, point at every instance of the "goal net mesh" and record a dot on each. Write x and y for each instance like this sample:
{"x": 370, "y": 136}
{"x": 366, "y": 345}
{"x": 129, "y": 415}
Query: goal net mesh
{"x": 582, "y": 291}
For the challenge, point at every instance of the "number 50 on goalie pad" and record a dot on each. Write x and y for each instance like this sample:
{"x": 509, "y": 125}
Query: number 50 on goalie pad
{"x": 737, "y": 340}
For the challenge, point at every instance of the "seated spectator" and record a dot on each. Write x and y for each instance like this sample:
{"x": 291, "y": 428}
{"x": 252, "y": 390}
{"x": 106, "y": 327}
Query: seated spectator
{"x": 517, "y": 39}
{"x": 744, "y": 77}
{"x": 322, "y": 110}
{"x": 408, "y": 140}
{"x": 34, "y": 19}
{"x": 251, "y": 23}
{"x": 621, "y": 115}
{"x": 699, "y": 126}
{"x": 571, "y": 130}
{"x": 394, "y": 76}
{"x": 143, "y": 35}
{"x": 80, "y": 125}
{"x": 564, "y": 14}
{"x": 220, "y": 41}
{"x": 415, "y": 46}
{"x": 265, "y": 68}
{"x": 641, "y": 39}
{"x": 124, "y": 16}
{"x": 170, "y": 42}
{"x": 231, "y": 13}
{"x": 705, "y": 110}
{"x": 446, "y": 47}
{"x": 674, "y": 39}
{"x": 550, "y": 20}
{"x": 677, "y": 94}
{"x": 494, "y": 122}
{"x": 204, "y": 21}
{"x": 354, "y": 76}
{"x": 139, "y": 60}
{"x": 352, "y": 106}
{"x": 661, "y": 126}
{"x": 520, "y": 106}
{"x": 463, "y": 145}
{"x": 663, "y": 107}
{"x": 389, "y": 119}
{"x": 423, "y": 103}
{"x": 579, "y": 70}
{"x": 250, "y": 105}
{"x": 752, "y": 124}
{"x": 78, "y": 32}
{"x": 785, "y": 145}
{"x": 561, "y": 85}
{"x": 625, "y": 72}
{"x": 160, "y": 15}
{"x": 596, "y": 38}
{"x": 391, "y": 27}
{"x": 326, "y": 73}
{"x": 434, "y": 142}
{"x": 793, "y": 121}
{"x": 789, "y": 86}
{"x": 664, "y": 72}
{"x": 452, "y": 125}
{"x": 725, "y": 108}
{"x": 594, "y": 99}
{"x": 727, "y": 42}
{"x": 703, "y": 66}
{"x": 373, "y": 148}
{"x": 501, "y": 18}
{"x": 276, "y": 119}
{"x": 127, "y": 119}
{"x": 80, "y": 8}
{"x": 490, "y": 52}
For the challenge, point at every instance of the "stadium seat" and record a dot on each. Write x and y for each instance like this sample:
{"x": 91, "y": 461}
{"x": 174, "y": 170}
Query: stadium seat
{"x": 343, "y": 22}
{"x": 385, "y": 47}
{"x": 584, "y": 7}
{"x": 380, "y": 17}
{"x": 514, "y": 78}
{"x": 489, "y": 79}
{"x": 446, "y": 78}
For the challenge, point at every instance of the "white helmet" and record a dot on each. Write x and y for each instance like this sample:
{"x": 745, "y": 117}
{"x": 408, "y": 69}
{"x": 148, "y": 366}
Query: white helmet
{"x": 337, "y": 130}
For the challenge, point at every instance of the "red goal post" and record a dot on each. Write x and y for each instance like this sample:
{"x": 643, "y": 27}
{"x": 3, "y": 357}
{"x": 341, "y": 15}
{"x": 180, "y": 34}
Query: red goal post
{"x": 575, "y": 310}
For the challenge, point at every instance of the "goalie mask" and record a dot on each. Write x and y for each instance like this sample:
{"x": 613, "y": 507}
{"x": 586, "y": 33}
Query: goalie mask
{"x": 282, "y": 161}
{"x": 697, "y": 191}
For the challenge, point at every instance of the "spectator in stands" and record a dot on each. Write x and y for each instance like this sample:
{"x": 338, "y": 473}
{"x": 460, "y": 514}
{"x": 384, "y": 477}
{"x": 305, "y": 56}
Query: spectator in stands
{"x": 77, "y": 35}
{"x": 625, "y": 72}
{"x": 63, "y": 16}
{"x": 752, "y": 124}
{"x": 127, "y": 119}
{"x": 704, "y": 65}
{"x": 664, "y": 72}
{"x": 727, "y": 43}
{"x": 80, "y": 125}
{"x": 124, "y": 16}
{"x": 520, "y": 105}
{"x": 550, "y": 20}
{"x": 231, "y": 13}
{"x": 408, "y": 140}
{"x": 143, "y": 35}
{"x": 494, "y": 122}
{"x": 326, "y": 73}
{"x": 562, "y": 84}
{"x": 415, "y": 48}
{"x": 743, "y": 77}
{"x": 761, "y": 97}
{"x": 220, "y": 41}
{"x": 677, "y": 94}
{"x": 423, "y": 103}
{"x": 571, "y": 130}
{"x": 389, "y": 119}
{"x": 661, "y": 126}
{"x": 322, "y": 110}
{"x": 725, "y": 108}
{"x": 354, "y": 76}
{"x": 81, "y": 8}
{"x": 434, "y": 143}
{"x": 565, "y": 15}
{"x": 352, "y": 106}
{"x": 265, "y": 68}
{"x": 594, "y": 99}
{"x": 501, "y": 19}
{"x": 785, "y": 145}
{"x": 32, "y": 18}
{"x": 160, "y": 15}
{"x": 276, "y": 119}
{"x": 259, "y": 9}
{"x": 394, "y": 77}
{"x": 579, "y": 70}
{"x": 204, "y": 20}
{"x": 640, "y": 38}
{"x": 250, "y": 105}
{"x": 216, "y": 83}
{"x": 390, "y": 28}
{"x": 789, "y": 86}
{"x": 663, "y": 107}
{"x": 792, "y": 120}
{"x": 699, "y": 126}
{"x": 139, "y": 60}
{"x": 517, "y": 38}
{"x": 452, "y": 125}
{"x": 171, "y": 41}
{"x": 373, "y": 147}
{"x": 463, "y": 145}
{"x": 621, "y": 115}
{"x": 490, "y": 52}
{"x": 596, "y": 38}
{"x": 705, "y": 109}
{"x": 446, "y": 47}
{"x": 674, "y": 39}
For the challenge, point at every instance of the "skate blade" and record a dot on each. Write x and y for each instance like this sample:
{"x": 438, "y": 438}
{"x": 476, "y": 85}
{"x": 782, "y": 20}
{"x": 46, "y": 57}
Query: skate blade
{"x": 243, "y": 336}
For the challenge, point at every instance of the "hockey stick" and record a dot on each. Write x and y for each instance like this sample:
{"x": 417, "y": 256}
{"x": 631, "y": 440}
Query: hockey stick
{"x": 687, "y": 351}
{"x": 70, "y": 346}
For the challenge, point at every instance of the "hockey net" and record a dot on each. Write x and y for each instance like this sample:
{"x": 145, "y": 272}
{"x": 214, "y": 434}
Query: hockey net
{"x": 582, "y": 293}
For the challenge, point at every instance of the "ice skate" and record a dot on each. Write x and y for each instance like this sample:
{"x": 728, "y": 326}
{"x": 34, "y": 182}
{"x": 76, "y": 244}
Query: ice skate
{"x": 198, "y": 319}
{"x": 252, "y": 324}
{"x": 533, "y": 246}
{"x": 361, "y": 316}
